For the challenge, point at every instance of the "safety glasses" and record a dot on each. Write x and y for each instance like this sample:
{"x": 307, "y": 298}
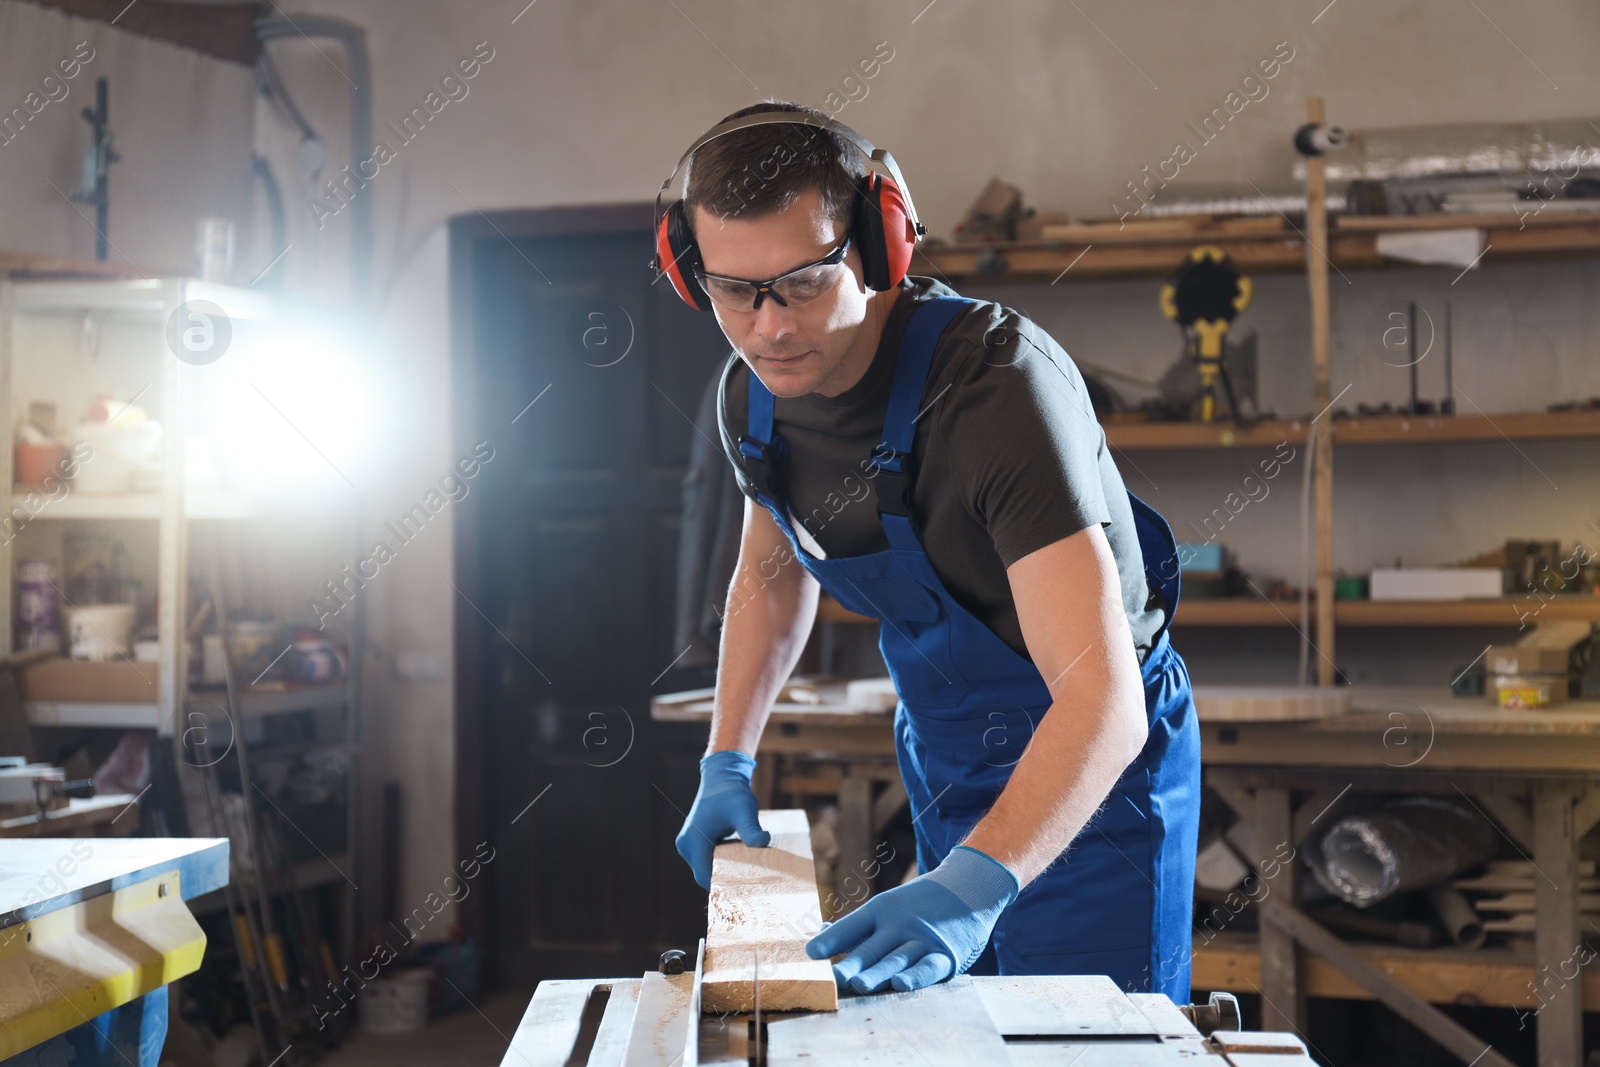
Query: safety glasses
{"x": 800, "y": 286}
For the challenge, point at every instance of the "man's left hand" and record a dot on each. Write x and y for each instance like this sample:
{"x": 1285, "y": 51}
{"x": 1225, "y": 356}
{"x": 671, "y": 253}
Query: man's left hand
{"x": 914, "y": 935}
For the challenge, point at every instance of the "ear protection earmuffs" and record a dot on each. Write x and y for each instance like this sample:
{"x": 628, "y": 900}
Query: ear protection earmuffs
{"x": 884, "y": 227}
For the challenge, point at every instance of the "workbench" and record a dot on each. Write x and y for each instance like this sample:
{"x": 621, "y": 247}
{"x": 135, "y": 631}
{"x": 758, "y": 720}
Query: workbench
{"x": 1082, "y": 1020}
{"x": 1536, "y": 774}
{"x": 1531, "y": 773}
{"x": 108, "y": 815}
{"x": 92, "y": 930}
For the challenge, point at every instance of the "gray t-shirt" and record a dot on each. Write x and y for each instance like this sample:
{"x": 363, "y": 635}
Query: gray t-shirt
{"x": 1008, "y": 458}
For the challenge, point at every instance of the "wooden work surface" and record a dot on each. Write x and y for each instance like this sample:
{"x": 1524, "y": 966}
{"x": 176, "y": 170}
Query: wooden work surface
{"x": 694, "y": 705}
{"x": 1423, "y": 727}
{"x": 103, "y": 816}
{"x": 1387, "y": 726}
{"x": 829, "y": 728}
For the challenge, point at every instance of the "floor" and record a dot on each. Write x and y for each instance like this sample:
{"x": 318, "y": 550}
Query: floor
{"x": 469, "y": 1039}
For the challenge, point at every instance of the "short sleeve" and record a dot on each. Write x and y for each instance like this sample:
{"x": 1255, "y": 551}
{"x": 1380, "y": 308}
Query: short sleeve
{"x": 1024, "y": 438}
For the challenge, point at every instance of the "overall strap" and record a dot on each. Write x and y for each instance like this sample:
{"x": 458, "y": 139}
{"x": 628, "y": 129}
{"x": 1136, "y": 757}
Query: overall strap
{"x": 893, "y": 456}
{"x": 762, "y": 452}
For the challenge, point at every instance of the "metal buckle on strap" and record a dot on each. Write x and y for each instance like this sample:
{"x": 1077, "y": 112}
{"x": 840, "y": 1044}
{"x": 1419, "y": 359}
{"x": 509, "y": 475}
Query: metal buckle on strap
{"x": 894, "y": 485}
{"x": 765, "y": 459}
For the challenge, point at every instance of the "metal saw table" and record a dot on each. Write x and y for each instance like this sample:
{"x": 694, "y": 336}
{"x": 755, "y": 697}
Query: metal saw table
{"x": 92, "y": 930}
{"x": 1025, "y": 1021}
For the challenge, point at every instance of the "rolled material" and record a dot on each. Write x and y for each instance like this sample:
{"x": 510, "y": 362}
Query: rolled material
{"x": 1458, "y": 917}
{"x": 1404, "y": 845}
{"x": 1435, "y": 151}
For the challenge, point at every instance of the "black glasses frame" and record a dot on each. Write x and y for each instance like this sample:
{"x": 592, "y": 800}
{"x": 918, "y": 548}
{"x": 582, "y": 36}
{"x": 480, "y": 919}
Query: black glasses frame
{"x": 765, "y": 288}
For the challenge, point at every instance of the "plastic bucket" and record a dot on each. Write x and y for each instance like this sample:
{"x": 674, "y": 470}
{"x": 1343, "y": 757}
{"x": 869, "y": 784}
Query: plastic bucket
{"x": 397, "y": 1003}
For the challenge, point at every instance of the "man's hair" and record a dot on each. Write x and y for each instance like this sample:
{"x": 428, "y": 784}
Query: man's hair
{"x": 761, "y": 170}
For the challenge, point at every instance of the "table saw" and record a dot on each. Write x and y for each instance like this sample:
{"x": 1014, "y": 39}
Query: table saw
{"x": 92, "y": 930}
{"x": 1026, "y": 1021}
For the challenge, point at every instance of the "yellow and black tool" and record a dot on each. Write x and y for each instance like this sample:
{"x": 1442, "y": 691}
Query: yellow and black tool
{"x": 1204, "y": 296}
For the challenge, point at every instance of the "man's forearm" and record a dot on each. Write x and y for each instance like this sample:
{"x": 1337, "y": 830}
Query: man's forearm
{"x": 1082, "y": 745}
{"x": 771, "y": 607}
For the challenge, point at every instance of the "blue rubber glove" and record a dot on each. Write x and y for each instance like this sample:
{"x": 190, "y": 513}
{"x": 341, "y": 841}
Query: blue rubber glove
{"x": 724, "y": 804}
{"x": 922, "y": 932}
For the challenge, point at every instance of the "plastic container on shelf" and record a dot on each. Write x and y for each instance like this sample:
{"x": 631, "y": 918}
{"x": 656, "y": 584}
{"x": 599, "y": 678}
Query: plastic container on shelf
{"x": 126, "y": 447}
{"x": 100, "y": 632}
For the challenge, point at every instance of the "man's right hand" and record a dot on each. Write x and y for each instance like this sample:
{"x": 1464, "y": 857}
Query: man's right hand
{"x": 724, "y": 804}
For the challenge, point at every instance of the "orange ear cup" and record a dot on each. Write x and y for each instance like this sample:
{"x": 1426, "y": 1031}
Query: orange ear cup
{"x": 884, "y": 232}
{"x": 678, "y": 257}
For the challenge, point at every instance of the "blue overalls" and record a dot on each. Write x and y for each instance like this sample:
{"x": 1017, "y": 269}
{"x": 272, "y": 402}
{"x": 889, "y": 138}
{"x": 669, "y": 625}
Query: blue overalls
{"x": 1120, "y": 900}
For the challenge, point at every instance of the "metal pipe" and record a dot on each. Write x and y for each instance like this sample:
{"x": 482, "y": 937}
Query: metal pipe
{"x": 354, "y": 41}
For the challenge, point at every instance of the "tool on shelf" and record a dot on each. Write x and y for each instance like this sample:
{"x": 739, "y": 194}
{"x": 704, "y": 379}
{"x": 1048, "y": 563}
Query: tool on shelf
{"x": 1204, "y": 296}
{"x": 97, "y": 160}
{"x": 36, "y": 788}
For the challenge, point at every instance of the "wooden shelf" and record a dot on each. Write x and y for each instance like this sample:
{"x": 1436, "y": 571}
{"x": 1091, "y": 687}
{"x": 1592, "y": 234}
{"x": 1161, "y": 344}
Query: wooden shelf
{"x": 85, "y": 713}
{"x": 1241, "y": 611}
{"x": 1247, "y": 611}
{"x": 266, "y": 700}
{"x": 1153, "y": 435}
{"x": 1495, "y": 611}
{"x": 1157, "y": 246}
{"x": 120, "y": 506}
{"x": 1437, "y": 429}
{"x": 1361, "y": 430}
{"x": 1494, "y": 977}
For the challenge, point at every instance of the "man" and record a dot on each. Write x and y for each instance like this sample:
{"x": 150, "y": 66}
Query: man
{"x": 935, "y": 463}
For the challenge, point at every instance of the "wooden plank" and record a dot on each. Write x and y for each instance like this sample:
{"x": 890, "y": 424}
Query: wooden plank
{"x": 763, "y": 908}
{"x": 1558, "y": 938}
{"x": 1305, "y": 745}
{"x": 945, "y": 1025}
{"x": 33, "y": 265}
{"x": 1266, "y": 434}
{"x": 221, "y": 30}
{"x": 1449, "y": 1034}
{"x": 1496, "y": 978}
{"x": 1511, "y": 813}
{"x": 1194, "y": 229}
{"x": 1589, "y": 903}
{"x": 1283, "y": 991}
{"x": 1426, "y": 429}
{"x": 1484, "y": 611}
{"x": 1392, "y": 223}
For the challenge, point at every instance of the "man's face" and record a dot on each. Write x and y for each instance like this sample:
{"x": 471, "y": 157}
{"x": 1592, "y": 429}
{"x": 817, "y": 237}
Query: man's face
{"x": 793, "y": 350}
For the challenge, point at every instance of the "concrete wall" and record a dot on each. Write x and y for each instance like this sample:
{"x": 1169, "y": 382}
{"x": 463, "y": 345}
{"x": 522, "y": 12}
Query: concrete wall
{"x": 182, "y": 124}
{"x": 592, "y": 102}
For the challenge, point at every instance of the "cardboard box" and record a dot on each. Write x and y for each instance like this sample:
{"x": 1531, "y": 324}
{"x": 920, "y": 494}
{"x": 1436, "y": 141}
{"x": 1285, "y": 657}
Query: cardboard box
{"x": 1547, "y": 650}
{"x": 117, "y": 682}
{"x": 1434, "y": 583}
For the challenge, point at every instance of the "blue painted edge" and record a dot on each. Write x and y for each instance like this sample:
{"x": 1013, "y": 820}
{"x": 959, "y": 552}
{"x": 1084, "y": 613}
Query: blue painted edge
{"x": 202, "y": 868}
